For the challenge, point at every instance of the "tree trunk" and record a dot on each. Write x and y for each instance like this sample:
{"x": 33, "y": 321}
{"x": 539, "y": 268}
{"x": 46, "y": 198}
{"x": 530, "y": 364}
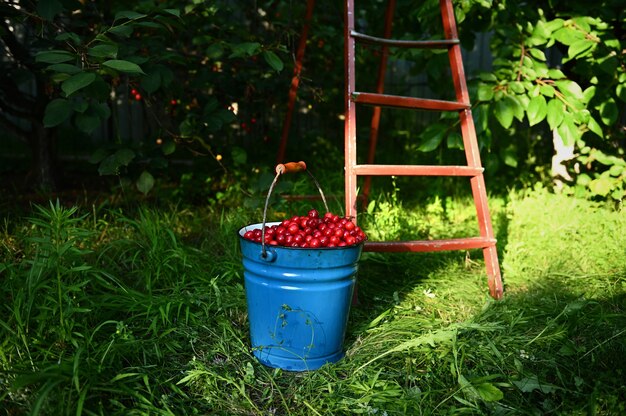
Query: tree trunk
{"x": 43, "y": 174}
{"x": 562, "y": 154}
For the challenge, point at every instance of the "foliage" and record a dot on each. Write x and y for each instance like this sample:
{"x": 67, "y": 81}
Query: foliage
{"x": 189, "y": 66}
{"x": 143, "y": 312}
{"x": 559, "y": 67}
{"x": 206, "y": 77}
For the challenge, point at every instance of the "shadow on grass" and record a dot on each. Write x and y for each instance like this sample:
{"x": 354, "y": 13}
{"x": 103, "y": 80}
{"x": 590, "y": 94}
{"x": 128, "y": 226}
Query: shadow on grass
{"x": 554, "y": 345}
{"x": 563, "y": 352}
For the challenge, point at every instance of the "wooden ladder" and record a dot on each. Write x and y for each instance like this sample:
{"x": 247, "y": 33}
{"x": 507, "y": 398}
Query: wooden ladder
{"x": 473, "y": 170}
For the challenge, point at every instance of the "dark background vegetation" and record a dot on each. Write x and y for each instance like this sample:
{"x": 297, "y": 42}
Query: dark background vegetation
{"x": 191, "y": 97}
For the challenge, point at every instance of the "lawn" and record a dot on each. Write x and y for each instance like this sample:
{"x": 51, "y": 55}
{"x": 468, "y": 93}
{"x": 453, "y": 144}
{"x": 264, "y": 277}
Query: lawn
{"x": 142, "y": 311}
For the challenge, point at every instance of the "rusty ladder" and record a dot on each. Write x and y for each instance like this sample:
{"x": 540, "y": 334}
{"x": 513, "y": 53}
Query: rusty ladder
{"x": 473, "y": 170}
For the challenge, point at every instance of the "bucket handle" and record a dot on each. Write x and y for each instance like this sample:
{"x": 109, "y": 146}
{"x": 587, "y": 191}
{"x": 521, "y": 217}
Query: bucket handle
{"x": 282, "y": 168}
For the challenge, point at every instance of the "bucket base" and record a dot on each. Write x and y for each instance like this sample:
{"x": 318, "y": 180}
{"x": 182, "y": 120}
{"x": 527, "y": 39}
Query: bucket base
{"x": 295, "y": 363}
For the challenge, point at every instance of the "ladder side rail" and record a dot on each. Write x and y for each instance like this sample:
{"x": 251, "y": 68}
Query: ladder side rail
{"x": 470, "y": 144}
{"x": 380, "y": 88}
{"x": 350, "y": 114}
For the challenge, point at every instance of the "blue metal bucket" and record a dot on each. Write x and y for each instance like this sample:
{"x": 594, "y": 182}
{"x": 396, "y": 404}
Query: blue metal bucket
{"x": 298, "y": 301}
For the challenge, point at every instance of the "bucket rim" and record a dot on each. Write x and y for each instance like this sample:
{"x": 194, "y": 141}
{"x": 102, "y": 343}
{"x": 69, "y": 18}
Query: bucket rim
{"x": 260, "y": 224}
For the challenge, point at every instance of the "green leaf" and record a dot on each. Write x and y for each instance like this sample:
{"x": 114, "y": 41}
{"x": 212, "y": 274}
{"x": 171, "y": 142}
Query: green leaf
{"x": 567, "y": 35}
{"x": 87, "y": 122}
{"x": 504, "y": 114}
{"x": 537, "y": 110}
{"x": 509, "y": 156}
{"x": 151, "y": 25}
{"x": 273, "y": 60}
{"x": 537, "y": 54}
{"x": 186, "y": 128}
{"x": 594, "y": 127}
{"x": 609, "y": 112}
{"x": 570, "y": 88}
{"x": 542, "y": 30}
{"x": 487, "y": 77}
{"x": 69, "y": 36}
{"x": 123, "y": 66}
{"x": 106, "y": 50}
{"x": 432, "y": 137}
{"x": 80, "y": 106}
{"x": 530, "y": 384}
{"x": 589, "y": 93}
{"x": 517, "y": 87}
{"x": 556, "y": 74}
{"x": 173, "y": 12}
{"x": 168, "y": 147}
{"x": 620, "y": 91}
{"x": 129, "y": 14}
{"x": 488, "y": 392}
{"x": 616, "y": 170}
{"x": 485, "y": 92}
{"x": 64, "y": 68}
{"x": 568, "y": 130}
{"x": 245, "y": 49}
{"x": 555, "y": 112}
{"x": 554, "y": 25}
{"x": 145, "y": 182}
{"x": 214, "y": 51}
{"x": 49, "y": 8}
{"x": 124, "y": 156}
{"x": 77, "y": 82}
{"x": 98, "y": 156}
{"x": 547, "y": 90}
{"x": 57, "y": 111}
{"x": 506, "y": 109}
{"x": 151, "y": 82}
{"x": 111, "y": 164}
{"x": 601, "y": 186}
{"x": 580, "y": 48}
{"x": 122, "y": 31}
{"x": 54, "y": 57}
{"x": 239, "y": 155}
{"x": 455, "y": 141}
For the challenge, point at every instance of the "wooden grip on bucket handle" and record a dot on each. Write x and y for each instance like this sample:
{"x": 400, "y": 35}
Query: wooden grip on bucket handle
{"x": 290, "y": 167}
{"x": 282, "y": 168}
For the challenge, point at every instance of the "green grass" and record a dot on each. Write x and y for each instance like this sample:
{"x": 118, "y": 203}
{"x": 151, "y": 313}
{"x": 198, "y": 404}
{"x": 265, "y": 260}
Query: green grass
{"x": 143, "y": 312}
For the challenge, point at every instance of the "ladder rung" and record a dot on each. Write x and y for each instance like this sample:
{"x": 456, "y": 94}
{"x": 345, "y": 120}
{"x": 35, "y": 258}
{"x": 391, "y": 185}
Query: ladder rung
{"x": 417, "y": 170}
{"x": 419, "y": 44}
{"x": 407, "y": 102}
{"x": 430, "y": 245}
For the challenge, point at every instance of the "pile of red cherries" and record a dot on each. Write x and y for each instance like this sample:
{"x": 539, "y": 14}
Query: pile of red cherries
{"x": 310, "y": 231}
